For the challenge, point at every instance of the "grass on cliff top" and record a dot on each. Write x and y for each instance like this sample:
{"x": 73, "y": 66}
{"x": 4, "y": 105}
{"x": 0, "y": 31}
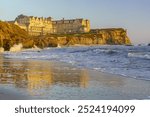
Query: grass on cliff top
{"x": 110, "y": 29}
{"x": 88, "y": 35}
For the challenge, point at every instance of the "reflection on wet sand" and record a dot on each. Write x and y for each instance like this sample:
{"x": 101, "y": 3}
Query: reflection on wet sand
{"x": 37, "y": 75}
{"x": 33, "y": 79}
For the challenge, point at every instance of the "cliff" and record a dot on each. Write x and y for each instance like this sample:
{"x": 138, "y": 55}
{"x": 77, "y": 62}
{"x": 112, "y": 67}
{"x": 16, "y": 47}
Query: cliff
{"x": 112, "y": 36}
{"x": 115, "y": 36}
{"x": 11, "y": 34}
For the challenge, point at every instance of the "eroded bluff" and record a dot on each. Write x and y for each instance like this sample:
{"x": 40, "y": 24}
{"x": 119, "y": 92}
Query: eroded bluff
{"x": 11, "y": 34}
{"x": 113, "y": 36}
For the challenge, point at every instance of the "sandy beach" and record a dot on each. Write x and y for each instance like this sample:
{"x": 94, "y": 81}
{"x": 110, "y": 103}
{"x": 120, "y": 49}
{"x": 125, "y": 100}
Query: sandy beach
{"x": 7, "y": 94}
{"x": 50, "y": 80}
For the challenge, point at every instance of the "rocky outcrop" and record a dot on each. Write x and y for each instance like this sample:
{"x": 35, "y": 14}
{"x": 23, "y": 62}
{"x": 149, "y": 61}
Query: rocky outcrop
{"x": 113, "y": 36}
{"x": 11, "y": 35}
{"x": 100, "y": 37}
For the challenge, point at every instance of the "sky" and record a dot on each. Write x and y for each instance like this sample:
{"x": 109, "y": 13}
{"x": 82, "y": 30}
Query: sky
{"x": 133, "y": 15}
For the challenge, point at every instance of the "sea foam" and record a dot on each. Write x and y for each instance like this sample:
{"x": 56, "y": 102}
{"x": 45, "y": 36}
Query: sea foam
{"x": 1, "y": 50}
{"x": 126, "y": 61}
{"x": 16, "y": 47}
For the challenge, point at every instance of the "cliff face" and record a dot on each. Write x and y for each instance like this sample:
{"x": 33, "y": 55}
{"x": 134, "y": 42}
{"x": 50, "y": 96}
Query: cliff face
{"x": 100, "y": 37}
{"x": 113, "y": 36}
{"x": 11, "y": 34}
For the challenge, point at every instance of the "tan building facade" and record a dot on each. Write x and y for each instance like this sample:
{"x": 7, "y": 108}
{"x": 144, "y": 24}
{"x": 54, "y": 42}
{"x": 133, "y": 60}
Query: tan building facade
{"x": 43, "y": 26}
{"x": 71, "y": 26}
{"x": 35, "y": 25}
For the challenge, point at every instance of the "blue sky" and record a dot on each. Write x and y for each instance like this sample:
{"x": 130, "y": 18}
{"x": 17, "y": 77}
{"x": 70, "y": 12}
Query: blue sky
{"x": 133, "y": 15}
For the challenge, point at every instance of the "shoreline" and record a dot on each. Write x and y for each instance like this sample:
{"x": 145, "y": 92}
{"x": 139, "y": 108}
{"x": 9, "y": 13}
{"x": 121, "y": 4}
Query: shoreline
{"x": 83, "y": 84}
{"x": 8, "y": 94}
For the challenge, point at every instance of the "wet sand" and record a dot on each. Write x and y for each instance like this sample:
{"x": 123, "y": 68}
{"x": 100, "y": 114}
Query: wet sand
{"x": 49, "y": 80}
{"x": 7, "y": 94}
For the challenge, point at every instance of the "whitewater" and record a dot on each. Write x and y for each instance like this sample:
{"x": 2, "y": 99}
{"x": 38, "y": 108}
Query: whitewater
{"x": 130, "y": 61}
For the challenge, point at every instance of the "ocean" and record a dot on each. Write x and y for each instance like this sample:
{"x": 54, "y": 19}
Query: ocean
{"x": 130, "y": 61}
{"x": 81, "y": 72}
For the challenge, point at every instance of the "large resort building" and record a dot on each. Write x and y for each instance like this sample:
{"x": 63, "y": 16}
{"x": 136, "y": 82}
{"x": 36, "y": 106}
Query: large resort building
{"x": 43, "y": 26}
{"x": 71, "y": 26}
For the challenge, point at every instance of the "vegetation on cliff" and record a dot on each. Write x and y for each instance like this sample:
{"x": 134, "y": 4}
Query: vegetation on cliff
{"x": 11, "y": 34}
{"x": 117, "y": 36}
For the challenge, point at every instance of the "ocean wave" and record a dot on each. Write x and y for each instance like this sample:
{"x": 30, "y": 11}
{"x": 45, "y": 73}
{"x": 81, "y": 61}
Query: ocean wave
{"x": 111, "y": 59}
{"x": 1, "y": 50}
{"x": 139, "y": 55}
{"x": 16, "y": 47}
{"x": 96, "y": 51}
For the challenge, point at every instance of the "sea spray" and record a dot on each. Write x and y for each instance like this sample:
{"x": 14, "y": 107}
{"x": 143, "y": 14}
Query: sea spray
{"x": 58, "y": 46}
{"x": 16, "y": 47}
{"x": 36, "y": 48}
{"x": 1, "y": 49}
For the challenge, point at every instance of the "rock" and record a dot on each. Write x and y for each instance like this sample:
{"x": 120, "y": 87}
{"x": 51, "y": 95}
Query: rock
{"x": 11, "y": 35}
{"x": 104, "y": 36}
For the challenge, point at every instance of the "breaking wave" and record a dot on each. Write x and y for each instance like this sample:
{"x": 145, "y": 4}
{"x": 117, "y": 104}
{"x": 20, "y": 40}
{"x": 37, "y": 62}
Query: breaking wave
{"x": 127, "y": 61}
{"x": 16, "y": 47}
{"x": 139, "y": 55}
{"x": 1, "y": 50}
